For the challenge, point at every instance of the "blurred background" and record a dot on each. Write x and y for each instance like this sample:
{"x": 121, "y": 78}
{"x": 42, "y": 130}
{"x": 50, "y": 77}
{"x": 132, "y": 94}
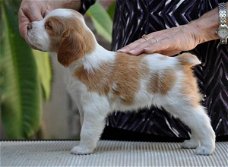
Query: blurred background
{"x": 34, "y": 103}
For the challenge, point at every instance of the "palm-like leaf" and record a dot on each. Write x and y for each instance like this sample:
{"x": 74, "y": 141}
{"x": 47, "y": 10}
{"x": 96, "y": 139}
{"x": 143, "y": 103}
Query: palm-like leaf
{"x": 21, "y": 99}
{"x": 44, "y": 71}
{"x": 101, "y": 20}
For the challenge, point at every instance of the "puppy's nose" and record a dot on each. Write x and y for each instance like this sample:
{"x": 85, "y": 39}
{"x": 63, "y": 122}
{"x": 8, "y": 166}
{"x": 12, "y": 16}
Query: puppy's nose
{"x": 29, "y": 26}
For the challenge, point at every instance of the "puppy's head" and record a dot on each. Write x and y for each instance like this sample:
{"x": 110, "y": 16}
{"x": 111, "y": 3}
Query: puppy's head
{"x": 62, "y": 31}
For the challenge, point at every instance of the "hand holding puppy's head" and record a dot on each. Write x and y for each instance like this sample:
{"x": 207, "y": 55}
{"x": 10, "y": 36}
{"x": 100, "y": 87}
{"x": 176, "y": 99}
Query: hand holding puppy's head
{"x": 64, "y": 32}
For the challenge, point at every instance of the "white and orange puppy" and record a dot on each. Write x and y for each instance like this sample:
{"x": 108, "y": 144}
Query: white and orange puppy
{"x": 102, "y": 81}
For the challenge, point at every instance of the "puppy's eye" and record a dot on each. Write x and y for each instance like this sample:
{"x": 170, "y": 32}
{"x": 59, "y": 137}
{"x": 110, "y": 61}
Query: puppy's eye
{"x": 48, "y": 25}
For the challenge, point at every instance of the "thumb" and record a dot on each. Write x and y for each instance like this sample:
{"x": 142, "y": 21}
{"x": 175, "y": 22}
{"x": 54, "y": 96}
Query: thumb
{"x": 34, "y": 14}
{"x": 25, "y": 17}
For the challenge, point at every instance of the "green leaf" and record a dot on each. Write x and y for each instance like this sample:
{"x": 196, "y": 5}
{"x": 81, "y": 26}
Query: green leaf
{"x": 44, "y": 69}
{"x": 21, "y": 102}
{"x": 111, "y": 9}
{"x": 101, "y": 20}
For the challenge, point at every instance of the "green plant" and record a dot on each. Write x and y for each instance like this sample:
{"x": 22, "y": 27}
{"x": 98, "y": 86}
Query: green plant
{"x": 25, "y": 74}
{"x": 102, "y": 19}
{"x": 21, "y": 83}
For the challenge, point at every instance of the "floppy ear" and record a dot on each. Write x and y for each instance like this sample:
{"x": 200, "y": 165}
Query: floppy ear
{"x": 71, "y": 47}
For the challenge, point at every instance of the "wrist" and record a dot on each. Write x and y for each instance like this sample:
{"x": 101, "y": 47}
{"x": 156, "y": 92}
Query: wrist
{"x": 205, "y": 28}
{"x": 223, "y": 27}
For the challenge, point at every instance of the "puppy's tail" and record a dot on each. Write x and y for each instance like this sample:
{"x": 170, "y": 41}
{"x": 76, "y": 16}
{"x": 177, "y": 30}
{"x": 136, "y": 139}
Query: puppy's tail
{"x": 188, "y": 59}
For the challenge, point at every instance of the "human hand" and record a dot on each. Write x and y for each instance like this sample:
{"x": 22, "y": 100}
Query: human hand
{"x": 31, "y": 10}
{"x": 168, "y": 42}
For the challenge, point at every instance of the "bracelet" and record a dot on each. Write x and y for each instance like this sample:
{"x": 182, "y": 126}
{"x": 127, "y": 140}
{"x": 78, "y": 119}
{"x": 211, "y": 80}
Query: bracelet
{"x": 223, "y": 28}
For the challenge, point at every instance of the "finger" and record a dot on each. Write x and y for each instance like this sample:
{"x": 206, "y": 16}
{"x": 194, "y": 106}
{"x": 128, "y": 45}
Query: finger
{"x": 167, "y": 52}
{"x": 139, "y": 48}
{"x": 23, "y": 22}
{"x": 170, "y": 52}
{"x": 162, "y": 45}
{"x": 154, "y": 35}
{"x": 33, "y": 14}
{"x": 131, "y": 46}
{"x": 25, "y": 17}
{"x": 150, "y": 38}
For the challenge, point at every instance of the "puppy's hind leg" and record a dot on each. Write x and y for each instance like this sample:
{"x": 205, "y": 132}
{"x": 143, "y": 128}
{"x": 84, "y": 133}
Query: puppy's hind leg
{"x": 92, "y": 127}
{"x": 204, "y": 132}
{"x": 192, "y": 143}
{"x": 203, "y": 136}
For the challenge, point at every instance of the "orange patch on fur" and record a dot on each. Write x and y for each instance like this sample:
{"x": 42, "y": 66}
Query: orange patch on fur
{"x": 120, "y": 78}
{"x": 162, "y": 82}
{"x": 190, "y": 87}
{"x": 70, "y": 38}
{"x": 188, "y": 59}
{"x": 98, "y": 80}
{"x": 127, "y": 74}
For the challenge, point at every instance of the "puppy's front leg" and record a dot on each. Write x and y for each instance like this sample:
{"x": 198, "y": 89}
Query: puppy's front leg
{"x": 92, "y": 127}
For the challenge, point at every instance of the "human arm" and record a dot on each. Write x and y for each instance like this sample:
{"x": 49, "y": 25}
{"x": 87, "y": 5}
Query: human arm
{"x": 175, "y": 40}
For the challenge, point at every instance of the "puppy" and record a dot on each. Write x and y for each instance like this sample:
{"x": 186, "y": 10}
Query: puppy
{"x": 102, "y": 81}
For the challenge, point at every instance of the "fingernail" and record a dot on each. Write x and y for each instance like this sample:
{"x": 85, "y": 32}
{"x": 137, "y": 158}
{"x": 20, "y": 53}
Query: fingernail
{"x": 121, "y": 50}
{"x": 145, "y": 48}
{"x": 133, "y": 51}
{"x": 148, "y": 50}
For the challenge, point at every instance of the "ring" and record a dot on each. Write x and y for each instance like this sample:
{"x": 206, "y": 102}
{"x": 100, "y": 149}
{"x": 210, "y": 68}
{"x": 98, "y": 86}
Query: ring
{"x": 145, "y": 37}
{"x": 153, "y": 41}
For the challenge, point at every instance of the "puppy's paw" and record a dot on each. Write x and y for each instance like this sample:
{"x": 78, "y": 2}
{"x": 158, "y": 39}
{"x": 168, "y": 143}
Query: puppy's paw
{"x": 189, "y": 144}
{"x": 80, "y": 150}
{"x": 204, "y": 150}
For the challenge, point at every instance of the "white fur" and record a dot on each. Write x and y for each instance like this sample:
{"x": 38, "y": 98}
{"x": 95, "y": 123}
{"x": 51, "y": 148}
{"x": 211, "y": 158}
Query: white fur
{"x": 98, "y": 57}
{"x": 94, "y": 107}
{"x": 60, "y": 13}
{"x": 38, "y": 36}
{"x": 157, "y": 62}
